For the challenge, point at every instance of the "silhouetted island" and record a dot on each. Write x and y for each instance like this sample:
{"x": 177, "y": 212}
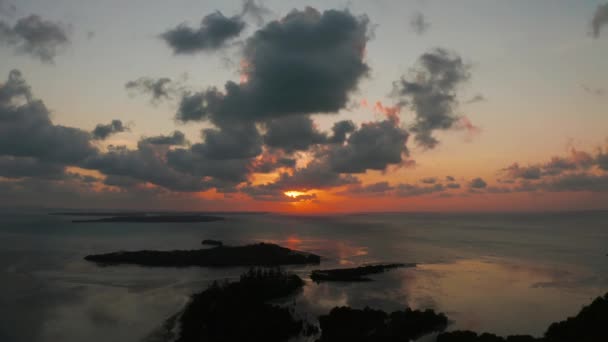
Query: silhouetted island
{"x": 261, "y": 254}
{"x": 367, "y": 325}
{"x": 353, "y": 274}
{"x": 154, "y": 219}
{"x": 210, "y": 242}
{"x": 589, "y": 325}
{"x": 238, "y": 311}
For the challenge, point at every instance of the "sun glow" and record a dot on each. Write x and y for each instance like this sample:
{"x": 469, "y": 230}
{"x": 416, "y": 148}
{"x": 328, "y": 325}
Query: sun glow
{"x": 294, "y": 194}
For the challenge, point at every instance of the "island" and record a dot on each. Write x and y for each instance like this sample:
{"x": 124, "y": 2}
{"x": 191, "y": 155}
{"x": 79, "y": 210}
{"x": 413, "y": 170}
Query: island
{"x": 238, "y": 311}
{"x": 261, "y": 254}
{"x": 353, "y": 274}
{"x": 154, "y": 219}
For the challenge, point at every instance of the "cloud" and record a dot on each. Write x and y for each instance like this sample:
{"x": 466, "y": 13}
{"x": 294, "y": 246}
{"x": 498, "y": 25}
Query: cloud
{"x": 476, "y": 98}
{"x": 516, "y": 171}
{"x": 431, "y": 93}
{"x": 146, "y": 164}
{"x": 374, "y": 146}
{"x": 452, "y": 186}
{"x": 578, "y": 182}
{"x": 450, "y": 178}
{"x": 429, "y": 180}
{"x": 256, "y": 11}
{"x": 314, "y": 60}
{"x": 600, "y": 19}
{"x": 160, "y": 89}
{"x": 214, "y": 31}
{"x": 102, "y": 131}
{"x": 316, "y": 175}
{"x": 419, "y": 24}
{"x": 19, "y": 167}
{"x": 238, "y": 141}
{"x": 26, "y": 129}
{"x": 374, "y": 189}
{"x": 340, "y": 131}
{"x": 176, "y": 138}
{"x": 7, "y": 9}
{"x": 295, "y": 133}
{"x": 477, "y": 183}
{"x": 35, "y": 36}
{"x": 409, "y": 190}
{"x": 593, "y": 91}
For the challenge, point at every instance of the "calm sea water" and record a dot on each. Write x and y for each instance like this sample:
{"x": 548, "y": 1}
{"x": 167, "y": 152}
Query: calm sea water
{"x": 502, "y": 273}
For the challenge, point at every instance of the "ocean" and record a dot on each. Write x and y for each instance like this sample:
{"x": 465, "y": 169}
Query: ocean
{"x": 499, "y": 273}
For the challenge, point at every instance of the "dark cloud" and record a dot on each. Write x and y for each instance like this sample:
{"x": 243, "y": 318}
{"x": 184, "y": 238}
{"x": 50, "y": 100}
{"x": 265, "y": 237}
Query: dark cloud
{"x": 340, "y": 130}
{"x": 18, "y": 167}
{"x": 238, "y": 141}
{"x": 313, "y": 60}
{"x": 593, "y": 91}
{"x": 429, "y": 180}
{"x": 477, "y": 183}
{"x": 7, "y": 9}
{"x": 600, "y": 19}
{"x": 35, "y": 36}
{"x": 26, "y": 129}
{"x": 431, "y": 93}
{"x": 601, "y": 160}
{"x": 214, "y": 31}
{"x": 419, "y": 24}
{"x": 452, "y": 186}
{"x": 316, "y": 175}
{"x": 176, "y": 138}
{"x": 374, "y": 146}
{"x": 516, "y": 171}
{"x": 146, "y": 164}
{"x": 577, "y": 182}
{"x": 476, "y": 98}
{"x": 256, "y": 11}
{"x": 271, "y": 161}
{"x": 374, "y": 189}
{"x": 223, "y": 174}
{"x": 160, "y": 89}
{"x": 103, "y": 131}
{"x": 295, "y": 133}
{"x": 409, "y": 190}
{"x": 450, "y": 178}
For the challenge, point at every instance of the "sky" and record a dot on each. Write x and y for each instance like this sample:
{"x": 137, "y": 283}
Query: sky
{"x": 304, "y": 107}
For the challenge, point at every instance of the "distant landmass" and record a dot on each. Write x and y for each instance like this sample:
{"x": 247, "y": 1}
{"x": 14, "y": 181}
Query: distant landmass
{"x": 262, "y": 254}
{"x": 153, "y": 218}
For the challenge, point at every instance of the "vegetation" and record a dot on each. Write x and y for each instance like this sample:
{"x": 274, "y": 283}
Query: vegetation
{"x": 589, "y": 325}
{"x": 262, "y": 254}
{"x": 367, "y": 325}
{"x": 353, "y": 274}
{"x": 238, "y": 311}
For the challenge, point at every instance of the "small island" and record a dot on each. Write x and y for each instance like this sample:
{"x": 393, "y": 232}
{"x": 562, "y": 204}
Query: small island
{"x": 153, "y": 219}
{"x": 353, "y": 274}
{"x": 261, "y": 254}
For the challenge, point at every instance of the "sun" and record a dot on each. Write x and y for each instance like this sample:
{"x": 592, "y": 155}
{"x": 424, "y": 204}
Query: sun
{"x": 294, "y": 194}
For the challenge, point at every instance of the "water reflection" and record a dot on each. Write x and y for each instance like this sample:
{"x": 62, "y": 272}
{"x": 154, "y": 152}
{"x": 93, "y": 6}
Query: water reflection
{"x": 499, "y": 274}
{"x": 486, "y": 294}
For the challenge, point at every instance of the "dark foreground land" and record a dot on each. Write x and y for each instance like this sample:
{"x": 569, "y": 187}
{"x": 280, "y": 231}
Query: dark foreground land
{"x": 261, "y": 254}
{"x": 353, "y": 274}
{"x": 240, "y": 311}
{"x": 154, "y": 219}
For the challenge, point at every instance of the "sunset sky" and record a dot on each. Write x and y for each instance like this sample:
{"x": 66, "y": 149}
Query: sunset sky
{"x": 304, "y": 107}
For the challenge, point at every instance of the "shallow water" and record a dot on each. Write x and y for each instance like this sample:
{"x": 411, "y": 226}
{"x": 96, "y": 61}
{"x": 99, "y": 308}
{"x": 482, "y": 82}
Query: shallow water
{"x": 502, "y": 273}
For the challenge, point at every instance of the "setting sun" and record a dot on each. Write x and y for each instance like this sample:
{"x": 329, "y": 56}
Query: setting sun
{"x": 294, "y": 194}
